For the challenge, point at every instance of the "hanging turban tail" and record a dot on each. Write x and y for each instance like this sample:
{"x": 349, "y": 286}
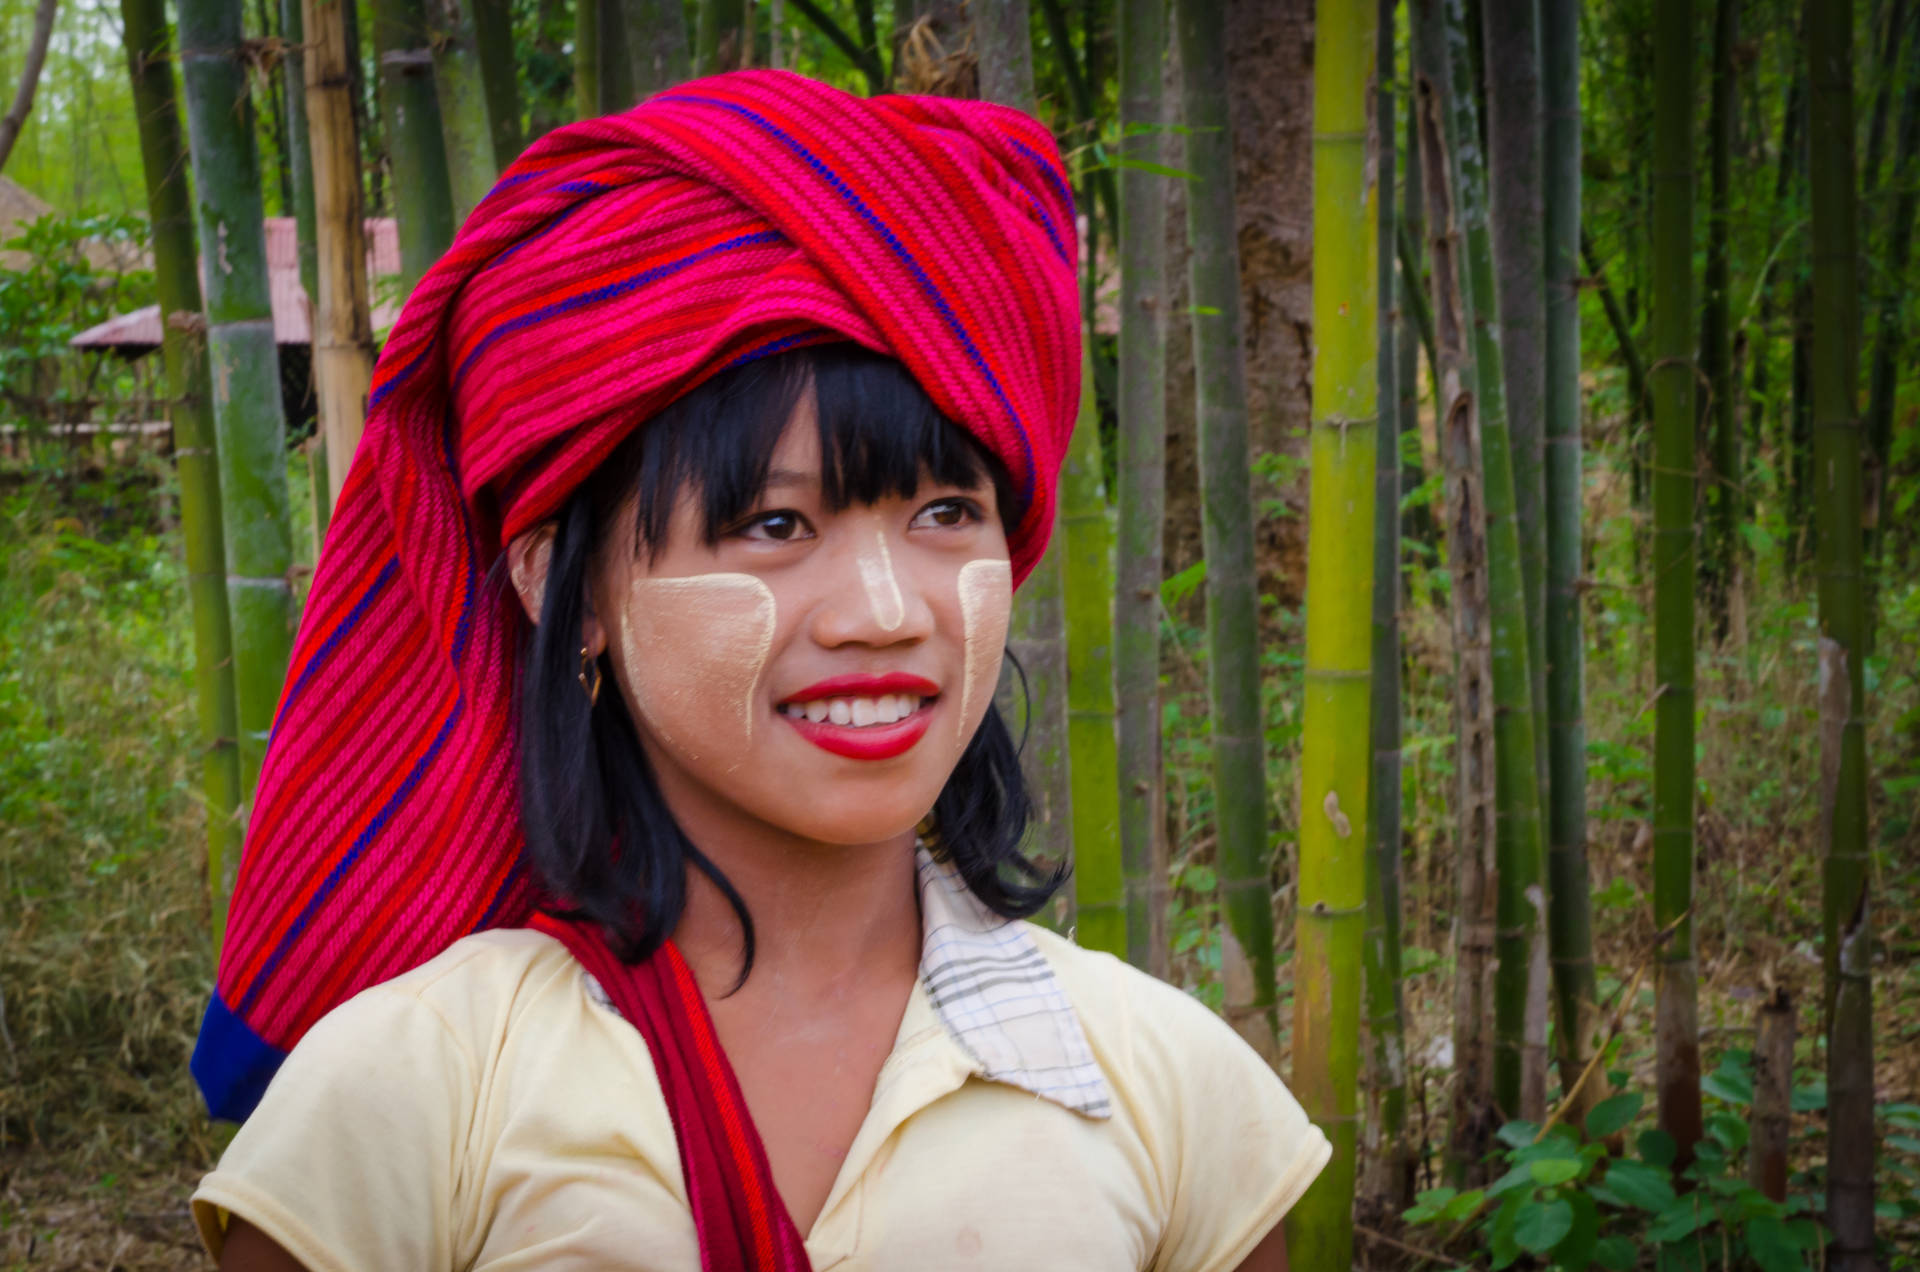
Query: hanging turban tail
{"x": 616, "y": 265}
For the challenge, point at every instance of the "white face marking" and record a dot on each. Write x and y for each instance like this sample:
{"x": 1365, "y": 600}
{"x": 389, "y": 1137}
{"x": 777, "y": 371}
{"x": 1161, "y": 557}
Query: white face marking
{"x": 883, "y": 589}
{"x": 986, "y": 604}
{"x": 696, "y": 649}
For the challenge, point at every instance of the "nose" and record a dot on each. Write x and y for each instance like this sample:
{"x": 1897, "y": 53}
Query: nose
{"x": 868, "y": 599}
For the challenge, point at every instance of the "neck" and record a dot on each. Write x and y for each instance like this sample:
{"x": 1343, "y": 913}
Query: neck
{"x": 824, "y": 915}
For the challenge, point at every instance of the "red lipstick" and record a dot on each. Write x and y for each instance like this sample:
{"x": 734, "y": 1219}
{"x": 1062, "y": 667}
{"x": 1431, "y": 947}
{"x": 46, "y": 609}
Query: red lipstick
{"x": 865, "y": 742}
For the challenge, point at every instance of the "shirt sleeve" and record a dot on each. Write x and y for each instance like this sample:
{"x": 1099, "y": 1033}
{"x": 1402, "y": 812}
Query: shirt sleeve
{"x": 1235, "y": 1148}
{"x": 350, "y": 1160}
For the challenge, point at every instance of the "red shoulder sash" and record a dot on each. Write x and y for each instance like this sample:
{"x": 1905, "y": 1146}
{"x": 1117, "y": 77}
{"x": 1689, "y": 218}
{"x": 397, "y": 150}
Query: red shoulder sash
{"x": 742, "y": 1224}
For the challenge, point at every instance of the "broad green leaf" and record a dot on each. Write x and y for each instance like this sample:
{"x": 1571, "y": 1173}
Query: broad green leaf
{"x": 1772, "y": 1247}
{"x": 1520, "y": 1176}
{"x": 1641, "y": 1186}
{"x": 1517, "y": 1134}
{"x": 1731, "y": 1085}
{"x": 1576, "y": 1250}
{"x": 1500, "y": 1239}
{"x": 1614, "y": 1253}
{"x": 1677, "y": 1221}
{"x": 1540, "y": 1225}
{"x": 1462, "y": 1207}
{"x": 1810, "y": 1098}
{"x": 1554, "y": 1171}
{"x": 1657, "y": 1148}
{"x": 1436, "y": 1196}
{"x": 1611, "y": 1115}
{"x": 1729, "y": 1128}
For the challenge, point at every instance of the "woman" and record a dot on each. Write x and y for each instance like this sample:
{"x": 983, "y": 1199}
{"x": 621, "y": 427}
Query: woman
{"x": 636, "y": 863}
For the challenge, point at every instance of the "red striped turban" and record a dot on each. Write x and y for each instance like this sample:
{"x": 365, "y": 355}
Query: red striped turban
{"x": 616, "y": 265}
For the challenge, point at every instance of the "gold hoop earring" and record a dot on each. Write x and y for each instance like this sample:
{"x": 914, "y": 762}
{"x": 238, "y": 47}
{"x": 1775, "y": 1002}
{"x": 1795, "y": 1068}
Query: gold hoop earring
{"x": 593, "y": 689}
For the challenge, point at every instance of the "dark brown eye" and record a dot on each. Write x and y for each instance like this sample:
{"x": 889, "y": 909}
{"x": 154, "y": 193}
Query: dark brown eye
{"x": 780, "y": 526}
{"x": 947, "y": 513}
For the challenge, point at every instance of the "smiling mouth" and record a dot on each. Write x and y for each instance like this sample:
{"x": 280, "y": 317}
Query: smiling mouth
{"x": 863, "y": 717}
{"x": 856, "y": 712}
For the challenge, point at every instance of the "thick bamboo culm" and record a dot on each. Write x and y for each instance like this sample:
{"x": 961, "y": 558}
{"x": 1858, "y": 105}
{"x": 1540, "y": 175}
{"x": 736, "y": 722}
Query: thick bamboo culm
{"x": 465, "y": 120}
{"x": 422, "y": 190}
{"x": 342, "y": 323}
{"x": 190, "y": 409}
{"x": 1387, "y": 1160}
{"x": 1670, "y": 381}
{"x": 1520, "y": 941}
{"x": 723, "y": 38}
{"x": 1099, "y": 885}
{"x": 244, "y": 373}
{"x": 1570, "y": 909}
{"x": 657, "y": 44}
{"x": 1140, "y": 474}
{"x": 1837, "y": 481}
{"x": 293, "y": 67}
{"x": 1472, "y": 1120}
{"x": 1719, "y": 562}
{"x": 1244, "y": 850}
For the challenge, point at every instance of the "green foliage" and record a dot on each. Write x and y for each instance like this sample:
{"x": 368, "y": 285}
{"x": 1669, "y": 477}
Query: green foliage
{"x": 66, "y": 284}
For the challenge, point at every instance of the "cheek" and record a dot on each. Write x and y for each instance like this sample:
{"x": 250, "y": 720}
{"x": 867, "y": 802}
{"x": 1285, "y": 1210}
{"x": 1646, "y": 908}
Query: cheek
{"x": 986, "y": 601}
{"x": 695, "y": 651}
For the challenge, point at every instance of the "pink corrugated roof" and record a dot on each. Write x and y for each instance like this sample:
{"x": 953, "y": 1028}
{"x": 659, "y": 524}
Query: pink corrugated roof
{"x": 141, "y": 328}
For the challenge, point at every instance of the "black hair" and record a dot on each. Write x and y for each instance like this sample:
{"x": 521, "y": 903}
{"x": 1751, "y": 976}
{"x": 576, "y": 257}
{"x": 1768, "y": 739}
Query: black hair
{"x": 599, "y": 834}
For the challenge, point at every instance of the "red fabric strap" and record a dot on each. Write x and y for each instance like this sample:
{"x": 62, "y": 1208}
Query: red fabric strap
{"x": 738, "y": 1215}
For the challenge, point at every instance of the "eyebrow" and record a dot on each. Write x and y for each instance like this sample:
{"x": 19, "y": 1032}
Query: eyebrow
{"x": 791, "y": 477}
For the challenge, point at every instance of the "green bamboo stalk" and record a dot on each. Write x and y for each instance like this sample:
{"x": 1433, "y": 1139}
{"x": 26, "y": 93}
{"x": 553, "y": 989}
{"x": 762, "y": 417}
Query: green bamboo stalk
{"x": 1472, "y": 1119}
{"x": 1416, "y": 330}
{"x": 300, "y": 186}
{"x": 1244, "y": 851}
{"x": 1671, "y": 382}
{"x": 1889, "y": 333}
{"x": 1037, "y": 634}
{"x": 423, "y": 190}
{"x": 1511, "y": 30}
{"x": 461, "y": 87}
{"x": 190, "y": 407}
{"x": 586, "y": 58}
{"x": 1352, "y": 172}
{"x": 722, "y": 39}
{"x": 616, "y": 59}
{"x": 1843, "y": 762}
{"x": 1389, "y": 1164}
{"x": 1719, "y": 569}
{"x": 500, "y": 73}
{"x": 657, "y": 43}
{"x": 1141, "y": 472}
{"x": 1892, "y": 37}
{"x": 1520, "y": 943}
{"x": 1570, "y": 909}
{"x": 244, "y": 370}
{"x": 1099, "y": 886}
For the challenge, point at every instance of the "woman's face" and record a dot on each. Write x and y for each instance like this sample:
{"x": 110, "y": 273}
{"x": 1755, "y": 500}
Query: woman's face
{"x": 819, "y": 672}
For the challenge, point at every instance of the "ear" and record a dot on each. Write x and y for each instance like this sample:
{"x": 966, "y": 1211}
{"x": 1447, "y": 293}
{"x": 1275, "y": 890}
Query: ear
{"x": 528, "y": 557}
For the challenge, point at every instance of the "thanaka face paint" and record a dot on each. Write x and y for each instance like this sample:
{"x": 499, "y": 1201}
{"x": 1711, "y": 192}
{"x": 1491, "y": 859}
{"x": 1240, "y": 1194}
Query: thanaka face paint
{"x": 696, "y": 651}
{"x": 875, "y": 563}
{"x": 986, "y": 605}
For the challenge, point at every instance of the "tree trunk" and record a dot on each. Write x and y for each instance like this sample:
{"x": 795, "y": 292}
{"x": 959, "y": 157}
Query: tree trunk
{"x": 1570, "y": 913}
{"x": 1141, "y": 476}
{"x": 1520, "y": 943}
{"x": 244, "y": 372}
{"x": 461, "y": 86}
{"x": 342, "y": 326}
{"x": 1888, "y": 339}
{"x": 422, "y": 190}
{"x": 189, "y": 407}
{"x": 1843, "y": 768}
{"x": 657, "y": 44}
{"x": 1226, "y": 501}
{"x": 1352, "y": 173}
{"x": 16, "y": 117}
{"x": 1671, "y": 380}
{"x": 1772, "y": 1119}
{"x": 1473, "y": 1119}
{"x": 723, "y": 38}
{"x": 1099, "y": 885}
{"x": 1720, "y": 570}
{"x": 1389, "y": 1164}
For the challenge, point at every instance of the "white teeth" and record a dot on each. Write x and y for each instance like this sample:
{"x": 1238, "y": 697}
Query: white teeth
{"x": 887, "y": 708}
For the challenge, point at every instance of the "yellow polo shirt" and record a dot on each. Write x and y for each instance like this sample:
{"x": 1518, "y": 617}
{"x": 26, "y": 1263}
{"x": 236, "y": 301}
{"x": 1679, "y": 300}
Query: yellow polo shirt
{"x": 1043, "y": 1107}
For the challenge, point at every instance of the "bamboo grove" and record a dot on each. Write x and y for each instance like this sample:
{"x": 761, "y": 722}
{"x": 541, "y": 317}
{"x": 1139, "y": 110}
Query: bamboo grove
{"x": 1416, "y": 475}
